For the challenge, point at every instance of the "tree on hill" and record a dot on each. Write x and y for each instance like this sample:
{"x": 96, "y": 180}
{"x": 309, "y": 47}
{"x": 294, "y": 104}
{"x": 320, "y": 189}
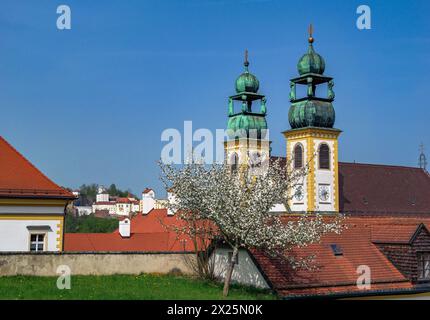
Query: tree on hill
{"x": 90, "y": 191}
{"x": 90, "y": 224}
{"x": 114, "y": 191}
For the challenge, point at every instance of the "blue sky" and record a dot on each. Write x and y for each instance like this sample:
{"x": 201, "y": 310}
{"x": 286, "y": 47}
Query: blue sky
{"x": 89, "y": 104}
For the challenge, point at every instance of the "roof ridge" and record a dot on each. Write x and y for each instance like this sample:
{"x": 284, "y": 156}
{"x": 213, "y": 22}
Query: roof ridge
{"x": 20, "y": 155}
{"x": 377, "y": 165}
{"x": 369, "y": 164}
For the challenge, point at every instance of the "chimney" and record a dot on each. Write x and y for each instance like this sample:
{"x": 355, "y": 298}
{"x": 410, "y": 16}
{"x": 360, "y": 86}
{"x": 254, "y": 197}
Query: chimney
{"x": 124, "y": 228}
{"x": 148, "y": 200}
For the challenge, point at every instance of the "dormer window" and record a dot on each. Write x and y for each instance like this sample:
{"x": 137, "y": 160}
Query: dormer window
{"x": 424, "y": 266}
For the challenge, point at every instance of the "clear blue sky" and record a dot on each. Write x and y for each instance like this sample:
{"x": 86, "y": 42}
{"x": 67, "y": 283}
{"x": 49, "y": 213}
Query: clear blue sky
{"x": 89, "y": 104}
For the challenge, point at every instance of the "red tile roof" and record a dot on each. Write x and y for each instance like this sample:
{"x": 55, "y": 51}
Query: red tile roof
{"x": 155, "y": 221}
{"x": 127, "y": 200}
{"x": 148, "y": 233}
{"x": 114, "y": 242}
{"x": 381, "y": 189}
{"x": 123, "y": 200}
{"x": 393, "y": 233}
{"x": 20, "y": 178}
{"x": 338, "y": 274}
{"x": 147, "y": 190}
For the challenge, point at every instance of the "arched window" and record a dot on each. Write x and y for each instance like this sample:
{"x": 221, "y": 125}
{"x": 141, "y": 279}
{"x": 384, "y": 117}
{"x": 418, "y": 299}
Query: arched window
{"x": 298, "y": 156}
{"x": 324, "y": 156}
{"x": 234, "y": 162}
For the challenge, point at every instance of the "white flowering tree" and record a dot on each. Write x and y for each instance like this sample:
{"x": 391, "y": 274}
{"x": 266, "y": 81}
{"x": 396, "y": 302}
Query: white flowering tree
{"x": 238, "y": 202}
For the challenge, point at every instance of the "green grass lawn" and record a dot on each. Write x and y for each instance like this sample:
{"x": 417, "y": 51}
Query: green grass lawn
{"x": 127, "y": 287}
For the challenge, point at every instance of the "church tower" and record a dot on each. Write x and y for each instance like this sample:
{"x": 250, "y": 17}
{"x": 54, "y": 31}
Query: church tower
{"x": 247, "y": 131}
{"x": 312, "y": 141}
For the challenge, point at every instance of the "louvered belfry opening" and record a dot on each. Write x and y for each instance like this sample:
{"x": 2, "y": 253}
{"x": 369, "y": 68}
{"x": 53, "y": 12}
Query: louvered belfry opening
{"x": 234, "y": 162}
{"x": 324, "y": 156}
{"x": 298, "y": 156}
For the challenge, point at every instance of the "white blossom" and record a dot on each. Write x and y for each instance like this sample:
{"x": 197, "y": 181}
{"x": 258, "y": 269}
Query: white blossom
{"x": 238, "y": 205}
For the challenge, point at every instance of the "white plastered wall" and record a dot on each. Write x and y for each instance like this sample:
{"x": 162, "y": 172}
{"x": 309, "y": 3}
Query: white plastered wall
{"x": 14, "y": 235}
{"x": 303, "y": 204}
{"x": 325, "y": 177}
{"x": 245, "y": 272}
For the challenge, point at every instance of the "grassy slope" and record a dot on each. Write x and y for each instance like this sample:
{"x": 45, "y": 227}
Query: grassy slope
{"x": 127, "y": 287}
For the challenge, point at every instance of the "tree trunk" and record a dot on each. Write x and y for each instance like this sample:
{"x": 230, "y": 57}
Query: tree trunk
{"x": 229, "y": 272}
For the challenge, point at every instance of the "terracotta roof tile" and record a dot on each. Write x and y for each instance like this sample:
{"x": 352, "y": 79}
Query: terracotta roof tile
{"x": 393, "y": 233}
{"x": 381, "y": 189}
{"x": 149, "y": 232}
{"x": 114, "y": 242}
{"x": 20, "y": 178}
{"x": 336, "y": 274}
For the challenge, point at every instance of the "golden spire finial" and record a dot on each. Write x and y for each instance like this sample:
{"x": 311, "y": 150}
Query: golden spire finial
{"x": 311, "y": 31}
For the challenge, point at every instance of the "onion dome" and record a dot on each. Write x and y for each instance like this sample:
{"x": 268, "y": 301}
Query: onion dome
{"x": 247, "y": 82}
{"x": 247, "y": 125}
{"x": 311, "y": 62}
{"x": 311, "y": 113}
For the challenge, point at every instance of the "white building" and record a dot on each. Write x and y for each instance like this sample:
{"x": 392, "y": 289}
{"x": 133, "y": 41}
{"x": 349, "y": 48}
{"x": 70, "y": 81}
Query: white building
{"x": 126, "y": 206}
{"x": 103, "y": 202}
{"x": 115, "y": 206}
{"x": 109, "y": 206}
{"x": 83, "y": 210}
{"x": 148, "y": 201}
{"x": 102, "y": 195}
{"x": 32, "y": 207}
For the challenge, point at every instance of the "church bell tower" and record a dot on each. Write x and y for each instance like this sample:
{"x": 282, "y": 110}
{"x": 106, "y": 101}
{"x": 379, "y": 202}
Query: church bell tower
{"x": 312, "y": 142}
{"x": 247, "y": 130}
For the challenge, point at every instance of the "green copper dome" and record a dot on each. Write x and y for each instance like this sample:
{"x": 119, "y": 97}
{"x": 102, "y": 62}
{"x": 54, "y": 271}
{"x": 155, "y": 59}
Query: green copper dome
{"x": 311, "y": 110}
{"x": 311, "y": 62}
{"x": 247, "y": 82}
{"x": 247, "y": 125}
{"x": 311, "y": 113}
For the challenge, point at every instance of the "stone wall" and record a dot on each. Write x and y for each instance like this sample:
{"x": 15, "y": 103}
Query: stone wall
{"x": 99, "y": 263}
